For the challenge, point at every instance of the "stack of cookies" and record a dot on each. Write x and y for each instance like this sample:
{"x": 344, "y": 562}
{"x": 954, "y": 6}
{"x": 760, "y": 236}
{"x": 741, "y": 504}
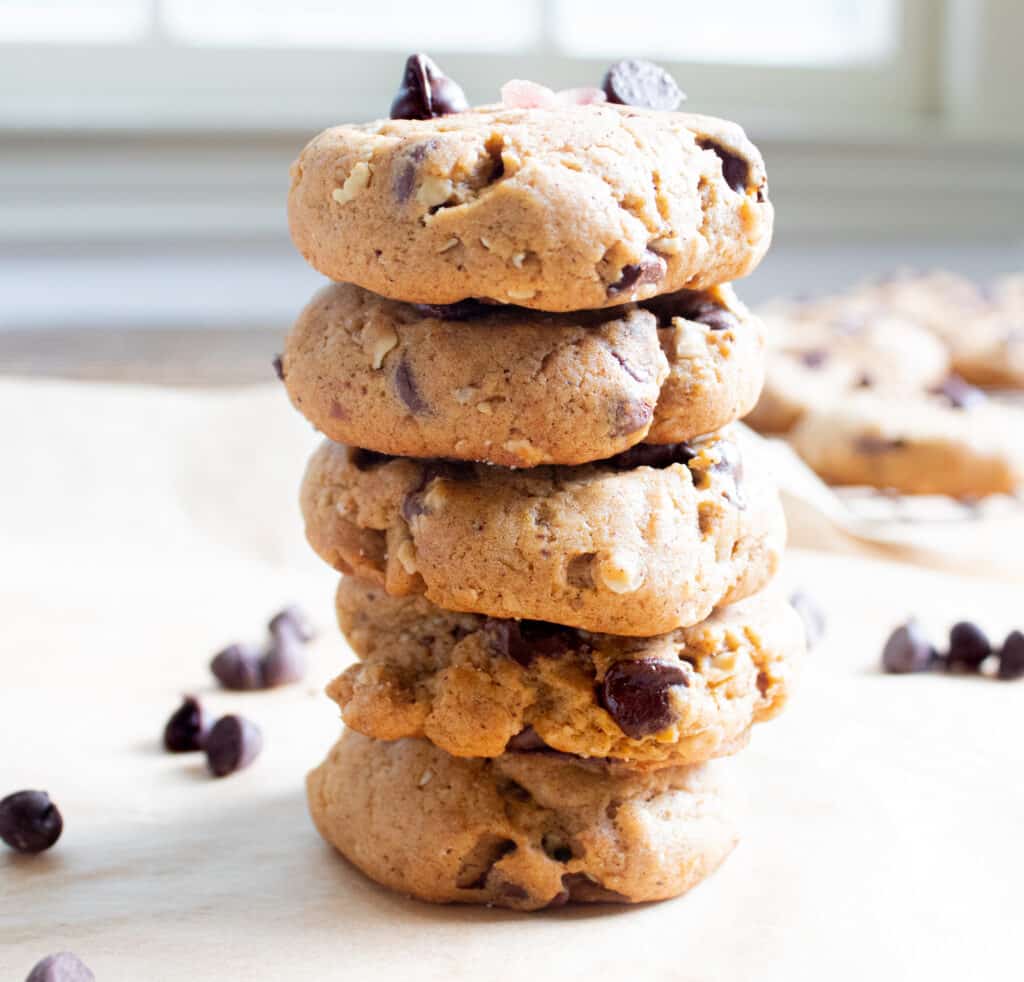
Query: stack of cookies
{"x": 557, "y": 541}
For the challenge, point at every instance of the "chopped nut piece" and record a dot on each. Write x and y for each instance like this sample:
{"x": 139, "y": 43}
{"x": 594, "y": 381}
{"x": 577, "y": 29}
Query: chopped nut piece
{"x": 354, "y": 183}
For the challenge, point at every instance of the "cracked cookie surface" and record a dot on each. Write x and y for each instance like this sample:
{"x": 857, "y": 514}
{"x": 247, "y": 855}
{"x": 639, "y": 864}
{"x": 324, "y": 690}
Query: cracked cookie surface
{"x": 619, "y": 547}
{"x": 516, "y": 387}
{"x": 575, "y": 208}
{"x": 475, "y": 686}
{"x": 523, "y": 831}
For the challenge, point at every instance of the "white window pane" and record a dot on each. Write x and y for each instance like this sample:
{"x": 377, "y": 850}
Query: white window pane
{"x": 783, "y": 32}
{"x": 73, "y": 21}
{"x": 403, "y": 25}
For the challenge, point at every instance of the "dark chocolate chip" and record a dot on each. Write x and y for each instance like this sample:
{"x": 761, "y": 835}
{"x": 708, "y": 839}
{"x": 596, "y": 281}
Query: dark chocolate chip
{"x": 184, "y": 731}
{"x": 868, "y": 444}
{"x": 969, "y": 646}
{"x": 636, "y": 693}
{"x": 812, "y": 616}
{"x": 698, "y": 307}
{"x": 405, "y": 179}
{"x": 426, "y": 92}
{"x": 580, "y": 887}
{"x": 639, "y": 83}
{"x": 233, "y": 743}
{"x": 405, "y": 386}
{"x": 284, "y": 661}
{"x": 814, "y": 358}
{"x": 959, "y": 394}
{"x": 650, "y": 269}
{"x": 367, "y": 460}
{"x": 294, "y": 620}
{"x": 238, "y": 667}
{"x": 735, "y": 170}
{"x": 907, "y": 650}
{"x": 29, "y": 821}
{"x": 657, "y": 455}
{"x": 1011, "y": 657}
{"x": 631, "y": 370}
{"x": 278, "y": 367}
{"x": 524, "y": 641}
{"x": 461, "y": 310}
{"x": 631, "y": 415}
{"x": 440, "y": 469}
{"x": 526, "y": 741}
{"x": 64, "y": 966}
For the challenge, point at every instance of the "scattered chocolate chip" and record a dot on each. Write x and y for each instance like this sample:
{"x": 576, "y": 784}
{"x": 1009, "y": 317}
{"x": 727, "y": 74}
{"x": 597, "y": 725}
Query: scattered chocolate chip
{"x": 29, "y": 821}
{"x": 526, "y": 741}
{"x": 524, "y": 641}
{"x": 232, "y": 744}
{"x": 631, "y": 415}
{"x": 284, "y": 661}
{"x": 907, "y": 650}
{"x": 657, "y": 455}
{"x": 278, "y": 367}
{"x": 1011, "y": 657}
{"x": 639, "y": 83}
{"x": 869, "y": 444}
{"x": 61, "y": 967}
{"x": 636, "y": 693}
{"x": 238, "y": 667}
{"x": 405, "y": 386}
{"x": 696, "y": 306}
{"x": 812, "y": 616}
{"x": 367, "y": 460}
{"x": 184, "y": 731}
{"x": 735, "y": 170}
{"x": 293, "y": 620}
{"x": 426, "y": 92}
{"x": 650, "y": 269}
{"x": 959, "y": 394}
{"x": 969, "y": 646}
{"x": 461, "y": 310}
{"x": 580, "y": 887}
{"x": 405, "y": 180}
{"x": 814, "y": 358}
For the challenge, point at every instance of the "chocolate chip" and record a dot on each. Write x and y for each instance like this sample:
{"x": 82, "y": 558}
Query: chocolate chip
{"x": 864, "y": 381}
{"x": 698, "y": 307}
{"x": 969, "y": 646}
{"x": 636, "y": 693}
{"x": 294, "y": 620}
{"x": 29, "y": 821}
{"x": 526, "y": 741}
{"x": 812, "y": 616}
{"x": 184, "y": 731}
{"x": 959, "y": 394}
{"x": 639, "y": 83}
{"x": 433, "y": 470}
{"x": 650, "y": 269}
{"x": 580, "y": 887}
{"x": 61, "y": 967}
{"x": 461, "y": 310}
{"x": 524, "y": 641}
{"x": 631, "y": 415}
{"x": 631, "y": 370}
{"x": 232, "y": 744}
{"x": 735, "y": 170}
{"x": 405, "y": 386}
{"x": 1011, "y": 657}
{"x": 869, "y": 444}
{"x": 426, "y": 92}
{"x": 238, "y": 667}
{"x": 367, "y": 460}
{"x": 907, "y": 650}
{"x": 657, "y": 455}
{"x": 278, "y": 367}
{"x": 405, "y": 180}
{"x": 814, "y": 358}
{"x": 284, "y": 661}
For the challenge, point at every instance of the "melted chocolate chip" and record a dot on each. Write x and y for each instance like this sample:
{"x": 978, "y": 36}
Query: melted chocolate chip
{"x": 278, "y": 368}
{"x": 907, "y": 650}
{"x": 29, "y": 821}
{"x": 631, "y": 370}
{"x": 184, "y": 731}
{"x": 636, "y": 694}
{"x": 405, "y": 179}
{"x": 449, "y": 470}
{"x": 650, "y": 269}
{"x": 367, "y": 460}
{"x": 814, "y": 358}
{"x": 735, "y": 170}
{"x": 524, "y": 641}
{"x": 580, "y": 887}
{"x": 631, "y": 415}
{"x": 232, "y": 744}
{"x": 462, "y": 310}
{"x": 64, "y": 966}
{"x": 426, "y": 92}
{"x": 700, "y": 308}
{"x": 877, "y": 445}
{"x": 525, "y": 742}
{"x": 959, "y": 394}
{"x": 1011, "y": 657}
{"x": 639, "y": 83}
{"x": 408, "y": 392}
{"x": 969, "y": 646}
{"x": 656, "y": 455}
{"x": 730, "y": 464}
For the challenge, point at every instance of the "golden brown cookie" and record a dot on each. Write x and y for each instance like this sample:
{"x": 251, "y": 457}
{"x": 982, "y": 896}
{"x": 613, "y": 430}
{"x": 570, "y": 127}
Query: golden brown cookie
{"x": 525, "y": 831}
{"x": 516, "y": 387}
{"x": 640, "y": 544}
{"x": 476, "y": 686}
{"x": 568, "y": 208}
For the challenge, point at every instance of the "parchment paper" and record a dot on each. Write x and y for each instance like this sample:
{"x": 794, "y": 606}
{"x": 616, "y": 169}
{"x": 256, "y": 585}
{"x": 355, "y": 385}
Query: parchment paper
{"x": 142, "y": 529}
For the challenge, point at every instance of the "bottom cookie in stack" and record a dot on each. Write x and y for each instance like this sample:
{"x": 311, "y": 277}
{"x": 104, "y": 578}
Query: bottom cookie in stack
{"x": 522, "y": 830}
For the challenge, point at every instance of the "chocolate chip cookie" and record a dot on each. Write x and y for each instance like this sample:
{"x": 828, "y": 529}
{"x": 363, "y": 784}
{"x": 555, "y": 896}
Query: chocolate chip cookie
{"x": 476, "y": 686}
{"x": 639, "y": 544}
{"x": 564, "y": 208}
{"x": 525, "y": 831}
{"x": 927, "y": 445}
{"x": 516, "y": 387}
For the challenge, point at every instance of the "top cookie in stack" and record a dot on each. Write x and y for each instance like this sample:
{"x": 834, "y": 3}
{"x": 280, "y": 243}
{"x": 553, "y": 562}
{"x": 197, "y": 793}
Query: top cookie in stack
{"x": 558, "y": 259}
